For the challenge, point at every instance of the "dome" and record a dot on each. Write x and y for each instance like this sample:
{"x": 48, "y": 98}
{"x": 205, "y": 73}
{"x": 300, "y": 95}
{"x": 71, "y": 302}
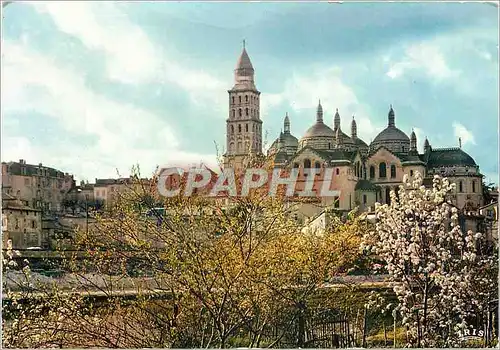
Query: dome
{"x": 450, "y": 157}
{"x": 360, "y": 143}
{"x": 289, "y": 140}
{"x": 319, "y": 130}
{"x": 391, "y": 134}
{"x": 344, "y": 138}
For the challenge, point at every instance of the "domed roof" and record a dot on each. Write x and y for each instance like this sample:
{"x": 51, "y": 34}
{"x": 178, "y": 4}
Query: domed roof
{"x": 449, "y": 157}
{"x": 319, "y": 130}
{"x": 360, "y": 143}
{"x": 289, "y": 140}
{"x": 391, "y": 133}
{"x": 344, "y": 138}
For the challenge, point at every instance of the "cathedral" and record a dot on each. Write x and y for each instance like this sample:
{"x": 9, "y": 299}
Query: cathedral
{"x": 363, "y": 173}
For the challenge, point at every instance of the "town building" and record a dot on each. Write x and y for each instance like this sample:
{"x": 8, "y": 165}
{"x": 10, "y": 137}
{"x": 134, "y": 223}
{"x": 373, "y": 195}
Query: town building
{"x": 21, "y": 224}
{"x": 364, "y": 173}
{"x": 41, "y": 187}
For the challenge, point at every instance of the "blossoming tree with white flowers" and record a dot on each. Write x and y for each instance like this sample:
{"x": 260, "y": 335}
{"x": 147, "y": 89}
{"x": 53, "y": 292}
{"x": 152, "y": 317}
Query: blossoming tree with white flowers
{"x": 440, "y": 275}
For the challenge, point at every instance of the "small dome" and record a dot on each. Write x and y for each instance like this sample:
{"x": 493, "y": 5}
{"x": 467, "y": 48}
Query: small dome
{"x": 319, "y": 130}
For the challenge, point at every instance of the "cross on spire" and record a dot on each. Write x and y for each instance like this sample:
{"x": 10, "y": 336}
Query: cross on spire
{"x": 244, "y": 43}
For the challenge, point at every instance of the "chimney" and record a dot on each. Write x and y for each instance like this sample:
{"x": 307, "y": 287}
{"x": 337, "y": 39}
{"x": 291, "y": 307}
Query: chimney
{"x": 21, "y": 161}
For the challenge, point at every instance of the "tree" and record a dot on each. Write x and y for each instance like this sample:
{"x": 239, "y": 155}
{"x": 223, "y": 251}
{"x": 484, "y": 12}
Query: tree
{"x": 207, "y": 276}
{"x": 436, "y": 268}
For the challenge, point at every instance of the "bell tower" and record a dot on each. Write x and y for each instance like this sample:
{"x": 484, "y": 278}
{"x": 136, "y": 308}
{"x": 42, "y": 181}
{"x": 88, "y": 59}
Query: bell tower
{"x": 243, "y": 125}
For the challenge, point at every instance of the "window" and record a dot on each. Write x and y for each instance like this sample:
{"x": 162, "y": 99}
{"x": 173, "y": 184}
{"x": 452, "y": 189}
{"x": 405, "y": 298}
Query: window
{"x": 295, "y": 165}
{"x": 246, "y": 127}
{"x": 364, "y": 199}
{"x": 234, "y": 113}
{"x": 317, "y": 165}
{"x": 411, "y": 172}
{"x": 393, "y": 171}
{"x": 33, "y": 224}
{"x": 307, "y": 164}
{"x": 382, "y": 171}
{"x": 372, "y": 172}
{"x": 460, "y": 186}
{"x": 246, "y": 112}
{"x": 239, "y": 98}
{"x": 473, "y": 186}
{"x": 27, "y": 182}
{"x": 239, "y": 112}
{"x": 336, "y": 202}
{"x": 337, "y": 171}
{"x": 246, "y": 98}
{"x": 233, "y": 99}
{"x": 17, "y": 224}
{"x": 387, "y": 195}
{"x": 232, "y": 129}
{"x": 329, "y": 145}
{"x": 239, "y": 127}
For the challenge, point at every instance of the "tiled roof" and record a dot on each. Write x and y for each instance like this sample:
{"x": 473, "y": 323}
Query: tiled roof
{"x": 366, "y": 185}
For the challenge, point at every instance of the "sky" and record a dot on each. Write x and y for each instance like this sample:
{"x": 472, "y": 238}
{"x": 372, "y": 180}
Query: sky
{"x": 94, "y": 88}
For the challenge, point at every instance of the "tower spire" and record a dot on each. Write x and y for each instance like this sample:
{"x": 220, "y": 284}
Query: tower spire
{"x": 244, "y": 44}
{"x": 391, "y": 117}
{"x": 286, "y": 124}
{"x": 354, "y": 128}
{"x": 319, "y": 113}
{"x": 336, "y": 120}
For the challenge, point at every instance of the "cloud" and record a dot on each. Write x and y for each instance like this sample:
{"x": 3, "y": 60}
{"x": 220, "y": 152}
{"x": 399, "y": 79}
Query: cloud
{"x": 124, "y": 134}
{"x": 425, "y": 57}
{"x": 465, "y": 135}
{"x": 302, "y": 91}
{"x": 131, "y": 57}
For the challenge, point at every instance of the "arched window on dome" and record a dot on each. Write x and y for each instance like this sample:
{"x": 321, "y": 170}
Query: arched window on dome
{"x": 393, "y": 171}
{"x": 372, "y": 172}
{"x": 473, "y": 186}
{"x": 382, "y": 170}
{"x": 231, "y": 147}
